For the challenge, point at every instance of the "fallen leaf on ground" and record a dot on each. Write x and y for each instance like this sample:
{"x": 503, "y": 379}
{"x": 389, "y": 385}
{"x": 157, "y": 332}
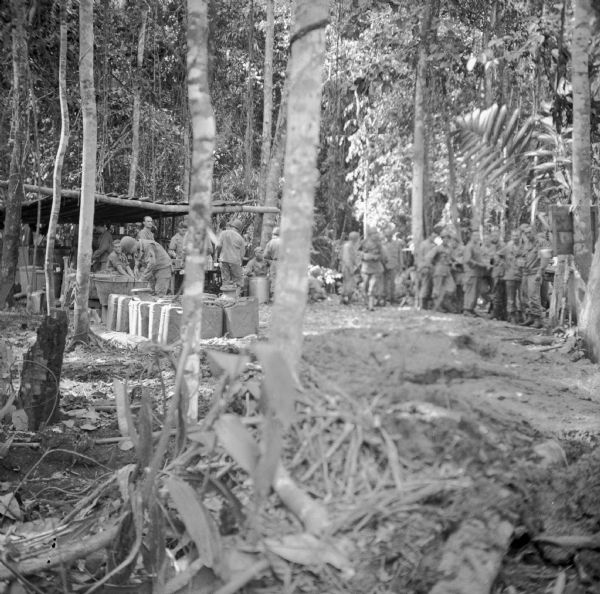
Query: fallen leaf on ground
{"x": 9, "y": 507}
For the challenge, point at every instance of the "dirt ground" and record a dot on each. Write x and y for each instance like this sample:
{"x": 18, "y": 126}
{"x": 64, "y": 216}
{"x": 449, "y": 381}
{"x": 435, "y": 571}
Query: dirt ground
{"x": 452, "y": 454}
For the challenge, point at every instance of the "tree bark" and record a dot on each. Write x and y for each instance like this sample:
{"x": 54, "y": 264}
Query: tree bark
{"x": 452, "y": 178}
{"x": 203, "y": 142}
{"x": 419, "y": 145}
{"x": 301, "y": 175}
{"x": 582, "y": 149}
{"x": 265, "y": 149}
{"x": 60, "y": 156}
{"x": 39, "y": 394}
{"x": 248, "y": 139}
{"x": 137, "y": 93}
{"x": 12, "y": 217}
{"x": 88, "y": 167}
{"x": 275, "y": 165}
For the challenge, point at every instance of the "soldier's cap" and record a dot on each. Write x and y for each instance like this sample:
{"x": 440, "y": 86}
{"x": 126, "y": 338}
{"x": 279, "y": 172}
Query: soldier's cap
{"x": 446, "y": 233}
{"x": 276, "y": 231}
{"x": 128, "y": 244}
{"x": 236, "y": 224}
{"x": 353, "y": 235}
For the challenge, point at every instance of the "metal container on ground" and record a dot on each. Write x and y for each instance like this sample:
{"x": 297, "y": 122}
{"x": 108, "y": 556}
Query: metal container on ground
{"x": 258, "y": 286}
{"x": 119, "y": 285}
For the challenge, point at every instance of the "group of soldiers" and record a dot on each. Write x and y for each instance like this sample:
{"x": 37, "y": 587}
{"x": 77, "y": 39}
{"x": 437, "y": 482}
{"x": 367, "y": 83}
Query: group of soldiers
{"x": 449, "y": 276}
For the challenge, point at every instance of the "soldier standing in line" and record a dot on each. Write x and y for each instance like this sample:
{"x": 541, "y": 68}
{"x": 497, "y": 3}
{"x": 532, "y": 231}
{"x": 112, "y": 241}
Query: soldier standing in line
{"x": 440, "y": 259}
{"x": 474, "y": 264}
{"x": 424, "y": 272}
{"x": 392, "y": 264}
{"x": 533, "y": 269}
{"x": 458, "y": 273}
{"x": 372, "y": 267}
{"x": 512, "y": 276}
{"x": 350, "y": 260}
{"x": 497, "y": 275}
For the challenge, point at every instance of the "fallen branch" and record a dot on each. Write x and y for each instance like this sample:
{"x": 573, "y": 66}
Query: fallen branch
{"x": 62, "y": 554}
{"x": 570, "y": 542}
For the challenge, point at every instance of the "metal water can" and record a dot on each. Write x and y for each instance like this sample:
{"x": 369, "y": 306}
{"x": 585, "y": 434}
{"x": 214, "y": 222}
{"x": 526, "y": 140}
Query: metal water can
{"x": 258, "y": 286}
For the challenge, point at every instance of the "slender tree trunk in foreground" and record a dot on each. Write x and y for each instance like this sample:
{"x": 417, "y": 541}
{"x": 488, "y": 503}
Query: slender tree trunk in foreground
{"x": 137, "y": 93}
{"x": 419, "y": 145}
{"x": 589, "y": 316}
{"x": 300, "y": 171}
{"x": 582, "y": 148}
{"x": 12, "y": 216}
{"x": 60, "y": 156}
{"x": 203, "y": 141}
{"x": 265, "y": 148}
{"x": 275, "y": 165}
{"x": 249, "y": 137}
{"x": 88, "y": 168}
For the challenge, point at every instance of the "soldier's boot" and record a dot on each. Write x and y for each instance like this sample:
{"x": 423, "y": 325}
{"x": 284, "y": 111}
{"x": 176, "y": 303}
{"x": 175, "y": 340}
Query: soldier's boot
{"x": 371, "y": 303}
{"x": 528, "y": 321}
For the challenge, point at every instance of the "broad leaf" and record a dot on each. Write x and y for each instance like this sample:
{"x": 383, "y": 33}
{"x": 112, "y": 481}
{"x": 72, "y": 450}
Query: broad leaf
{"x": 198, "y": 522}
{"x": 279, "y": 390}
{"x": 237, "y": 441}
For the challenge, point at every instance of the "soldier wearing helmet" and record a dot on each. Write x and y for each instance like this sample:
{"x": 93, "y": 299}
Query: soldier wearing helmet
{"x": 230, "y": 250}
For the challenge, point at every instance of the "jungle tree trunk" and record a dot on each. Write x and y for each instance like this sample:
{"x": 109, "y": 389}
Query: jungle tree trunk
{"x": 265, "y": 149}
{"x": 589, "y": 317}
{"x": 88, "y": 168}
{"x": 203, "y": 142}
{"x": 248, "y": 140}
{"x": 60, "y": 156}
{"x": 301, "y": 175}
{"x": 419, "y": 144}
{"x": 452, "y": 177}
{"x": 582, "y": 149}
{"x": 39, "y": 394}
{"x": 12, "y": 215}
{"x": 137, "y": 92}
{"x": 275, "y": 164}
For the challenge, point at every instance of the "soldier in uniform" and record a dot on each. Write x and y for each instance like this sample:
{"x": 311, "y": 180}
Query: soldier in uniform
{"x": 350, "y": 260}
{"x": 512, "y": 276}
{"x": 424, "y": 272}
{"x": 392, "y": 264}
{"x": 372, "y": 267}
{"x": 533, "y": 269}
{"x": 440, "y": 260}
{"x": 497, "y": 276}
{"x": 474, "y": 266}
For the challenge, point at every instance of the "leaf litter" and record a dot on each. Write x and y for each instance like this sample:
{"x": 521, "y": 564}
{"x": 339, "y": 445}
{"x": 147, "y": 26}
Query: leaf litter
{"x": 405, "y": 468}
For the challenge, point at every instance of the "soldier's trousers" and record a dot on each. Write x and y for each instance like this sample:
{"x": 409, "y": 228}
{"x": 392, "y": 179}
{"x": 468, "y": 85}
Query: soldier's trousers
{"x": 470, "y": 288}
{"x": 513, "y": 301}
{"x": 499, "y": 299}
{"x": 389, "y": 284}
{"x": 531, "y": 295}
{"x": 425, "y": 286}
{"x": 349, "y": 282}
